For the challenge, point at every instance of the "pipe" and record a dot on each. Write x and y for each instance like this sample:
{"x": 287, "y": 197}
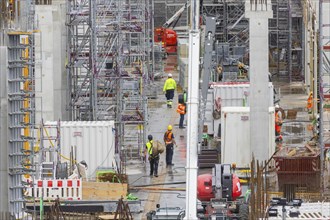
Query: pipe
{"x": 320, "y": 73}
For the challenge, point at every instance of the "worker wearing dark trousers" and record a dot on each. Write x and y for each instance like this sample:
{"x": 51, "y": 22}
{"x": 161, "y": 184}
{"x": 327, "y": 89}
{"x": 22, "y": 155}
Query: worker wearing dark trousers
{"x": 182, "y": 111}
{"x": 169, "y": 88}
{"x": 153, "y": 159}
{"x": 169, "y": 143}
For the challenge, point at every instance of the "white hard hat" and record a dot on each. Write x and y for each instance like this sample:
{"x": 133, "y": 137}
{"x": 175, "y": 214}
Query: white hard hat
{"x": 277, "y": 106}
{"x": 169, "y": 75}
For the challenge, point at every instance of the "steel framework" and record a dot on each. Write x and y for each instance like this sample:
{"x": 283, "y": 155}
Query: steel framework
{"x": 285, "y": 33}
{"x": 323, "y": 81}
{"x": 21, "y": 114}
{"x": 109, "y": 47}
{"x": 20, "y": 94}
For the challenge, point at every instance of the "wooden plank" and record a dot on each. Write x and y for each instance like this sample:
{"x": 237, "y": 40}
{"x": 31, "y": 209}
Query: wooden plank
{"x": 292, "y": 152}
{"x": 103, "y": 190}
{"x": 107, "y": 217}
{"x": 310, "y": 149}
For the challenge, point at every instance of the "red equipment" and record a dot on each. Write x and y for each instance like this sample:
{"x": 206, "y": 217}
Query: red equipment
{"x": 168, "y": 37}
{"x": 219, "y": 193}
{"x": 204, "y": 187}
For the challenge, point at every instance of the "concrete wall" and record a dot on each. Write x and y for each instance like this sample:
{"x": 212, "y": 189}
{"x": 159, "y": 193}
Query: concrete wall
{"x": 51, "y": 80}
{"x": 4, "y": 206}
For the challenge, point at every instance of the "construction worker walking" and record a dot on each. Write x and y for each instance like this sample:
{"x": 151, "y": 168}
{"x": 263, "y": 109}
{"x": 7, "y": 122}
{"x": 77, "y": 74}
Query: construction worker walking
{"x": 169, "y": 143}
{"x": 169, "y": 88}
{"x": 153, "y": 159}
{"x": 278, "y": 123}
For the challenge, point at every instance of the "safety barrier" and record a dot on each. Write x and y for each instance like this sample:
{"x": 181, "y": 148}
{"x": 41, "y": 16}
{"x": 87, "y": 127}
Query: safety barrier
{"x": 64, "y": 189}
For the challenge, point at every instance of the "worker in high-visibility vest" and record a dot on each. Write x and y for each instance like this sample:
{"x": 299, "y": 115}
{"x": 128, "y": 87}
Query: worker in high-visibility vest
{"x": 169, "y": 143}
{"x": 278, "y": 123}
{"x": 169, "y": 88}
{"x": 309, "y": 105}
{"x": 182, "y": 111}
{"x": 153, "y": 159}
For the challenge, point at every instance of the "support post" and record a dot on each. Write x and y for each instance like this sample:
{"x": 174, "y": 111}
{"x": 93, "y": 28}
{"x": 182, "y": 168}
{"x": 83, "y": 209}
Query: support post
{"x": 258, "y": 13}
{"x": 193, "y": 101}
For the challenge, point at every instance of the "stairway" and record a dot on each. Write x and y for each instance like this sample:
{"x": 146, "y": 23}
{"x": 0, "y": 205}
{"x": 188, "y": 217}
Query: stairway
{"x": 208, "y": 157}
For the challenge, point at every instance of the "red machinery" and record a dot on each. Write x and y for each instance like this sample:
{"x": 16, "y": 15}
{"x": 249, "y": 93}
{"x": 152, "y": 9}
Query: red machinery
{"x": 205, "y": 191}
{"x": 219, "y": 193}
{"x": 168, "y": 36}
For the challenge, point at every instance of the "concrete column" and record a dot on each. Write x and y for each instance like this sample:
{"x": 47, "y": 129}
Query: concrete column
{"x": 258, "y": 14}
{"x": 51, "y": 80}
{"x": 4, "y": 206}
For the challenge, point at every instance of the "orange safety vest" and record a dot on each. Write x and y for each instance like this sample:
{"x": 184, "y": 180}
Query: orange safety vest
{"x": 168, "y": 137}
{"x": 309, "y": 102}
{"x": 277, "y": 123}
{"x": 181, "y": 109}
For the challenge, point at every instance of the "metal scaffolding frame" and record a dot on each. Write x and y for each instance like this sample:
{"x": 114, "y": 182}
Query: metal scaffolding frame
{"x": 171, "y": 7}
{"x": 233, "y": 26}
{"x": 323, "y": 85}
{"x": 285, "y": 33}
{"x": 108, "y": 65}
{"x": 17, "y": 33}
{"x": 21, "y": 117}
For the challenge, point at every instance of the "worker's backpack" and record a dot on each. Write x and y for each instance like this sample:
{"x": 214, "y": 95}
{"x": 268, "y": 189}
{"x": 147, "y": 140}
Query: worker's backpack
{"x": 157, "y": 148}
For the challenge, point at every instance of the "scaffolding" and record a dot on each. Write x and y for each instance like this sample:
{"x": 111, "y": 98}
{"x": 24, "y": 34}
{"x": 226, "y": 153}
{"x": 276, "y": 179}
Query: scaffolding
{"x": 171, "y": 7}
{"x": 109, "y": 64}
{"x": 286, "y": 35}
{"x": 21, "y": 116}
{"x": 287, "y": 41}
{"x": 323, "y": 89}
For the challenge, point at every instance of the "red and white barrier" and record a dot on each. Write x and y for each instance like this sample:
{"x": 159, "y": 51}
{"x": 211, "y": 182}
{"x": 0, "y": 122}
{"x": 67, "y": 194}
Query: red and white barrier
{"x": 64, "y": 189}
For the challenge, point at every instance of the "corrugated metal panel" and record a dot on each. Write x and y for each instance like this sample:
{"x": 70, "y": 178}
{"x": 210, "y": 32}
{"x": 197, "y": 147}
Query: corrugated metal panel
{"x": 235, "y": 132}
{"x": 235, "y": 94}
{"x": 95, "y": 142}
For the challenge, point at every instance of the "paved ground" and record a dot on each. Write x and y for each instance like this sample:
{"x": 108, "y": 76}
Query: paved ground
{"x": 168, "y": 188}
{"x": 173, "y": 177}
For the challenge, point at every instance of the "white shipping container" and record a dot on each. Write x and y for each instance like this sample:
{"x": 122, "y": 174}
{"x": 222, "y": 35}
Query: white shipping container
{"x": 235, "y": 135}
{"x": 94, "y": 140}
{"x": 234, "y": 94}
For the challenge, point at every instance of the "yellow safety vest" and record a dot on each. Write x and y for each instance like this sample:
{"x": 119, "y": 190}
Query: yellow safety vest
{"x": 149, "y": 147}
{"x": 169, "y": 84}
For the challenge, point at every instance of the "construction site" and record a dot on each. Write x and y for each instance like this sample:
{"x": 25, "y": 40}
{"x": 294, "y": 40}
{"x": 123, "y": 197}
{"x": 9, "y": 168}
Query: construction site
{"x": 164, "y": 109}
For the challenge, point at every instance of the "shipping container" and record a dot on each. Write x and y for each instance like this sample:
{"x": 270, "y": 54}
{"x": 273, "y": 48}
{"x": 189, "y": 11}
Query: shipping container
{"x": 94, "y": 140}
{"x": 235, "y": 135}
{"x": 231, "y": 94}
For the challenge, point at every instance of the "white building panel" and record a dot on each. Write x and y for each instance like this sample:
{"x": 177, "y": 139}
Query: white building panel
{"x": 233, "y": 94}
{"x": 94, "y": 141}
{"x": 235, "y": 135}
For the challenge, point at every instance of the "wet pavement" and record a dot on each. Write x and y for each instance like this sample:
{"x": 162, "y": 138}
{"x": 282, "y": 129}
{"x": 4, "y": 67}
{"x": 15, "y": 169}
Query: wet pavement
{"x": 168, "y": 189}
